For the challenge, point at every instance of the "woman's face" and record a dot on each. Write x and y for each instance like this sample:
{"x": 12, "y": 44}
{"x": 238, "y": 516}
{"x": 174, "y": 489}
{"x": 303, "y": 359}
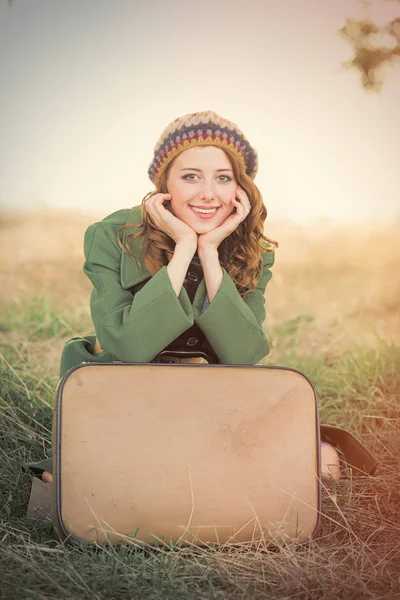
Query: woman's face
{"x": 202, "y": 186}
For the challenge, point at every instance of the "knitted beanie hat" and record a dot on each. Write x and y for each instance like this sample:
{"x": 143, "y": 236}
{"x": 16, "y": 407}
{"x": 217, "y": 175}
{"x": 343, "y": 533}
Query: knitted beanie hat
{"x": 201, "y": 129}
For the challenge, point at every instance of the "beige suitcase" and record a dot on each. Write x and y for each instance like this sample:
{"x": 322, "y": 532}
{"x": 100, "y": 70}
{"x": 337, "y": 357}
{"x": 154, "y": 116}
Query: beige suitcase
{"x": 188, "y": 453}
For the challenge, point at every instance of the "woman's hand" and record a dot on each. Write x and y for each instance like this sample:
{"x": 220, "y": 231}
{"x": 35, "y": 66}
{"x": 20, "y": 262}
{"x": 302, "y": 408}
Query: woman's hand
{"x": 167, "y": 222}
{"x": 212, "y": 239}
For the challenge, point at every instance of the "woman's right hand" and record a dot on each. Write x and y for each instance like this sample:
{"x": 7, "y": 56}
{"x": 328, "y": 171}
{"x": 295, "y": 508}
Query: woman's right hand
{"x": 167, "y": 222}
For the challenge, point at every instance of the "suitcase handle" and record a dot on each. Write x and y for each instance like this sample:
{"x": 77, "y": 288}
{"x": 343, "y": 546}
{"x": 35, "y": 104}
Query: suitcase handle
{"x": 208, "y": 355}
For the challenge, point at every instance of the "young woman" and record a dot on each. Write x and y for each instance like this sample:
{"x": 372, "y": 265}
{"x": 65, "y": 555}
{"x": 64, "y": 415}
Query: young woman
{"x": 188, "y": 267}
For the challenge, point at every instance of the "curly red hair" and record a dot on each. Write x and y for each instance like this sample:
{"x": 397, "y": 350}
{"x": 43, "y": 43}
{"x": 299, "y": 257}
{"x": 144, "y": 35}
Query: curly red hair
{"x": 240, "y": 253}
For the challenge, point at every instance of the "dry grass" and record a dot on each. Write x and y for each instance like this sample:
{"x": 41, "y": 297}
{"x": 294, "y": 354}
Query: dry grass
{"x": 331, "y": 288}
{"x": 343, "y": 280}
{"x": 346, "y": 280}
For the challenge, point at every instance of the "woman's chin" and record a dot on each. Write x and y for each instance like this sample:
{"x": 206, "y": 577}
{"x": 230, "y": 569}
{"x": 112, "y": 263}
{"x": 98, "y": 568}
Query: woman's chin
{"x": 202, "y": 229}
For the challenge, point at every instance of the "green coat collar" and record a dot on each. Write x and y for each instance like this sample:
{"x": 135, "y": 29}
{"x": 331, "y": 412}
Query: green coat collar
{"x": 131, "y": 273}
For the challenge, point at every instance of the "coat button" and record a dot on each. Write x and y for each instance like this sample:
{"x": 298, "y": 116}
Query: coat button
{"x": 192, "y": 276}
{"x": 192, "y": 341}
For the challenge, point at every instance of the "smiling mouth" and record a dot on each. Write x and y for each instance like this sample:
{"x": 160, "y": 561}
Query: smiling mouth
{"x": 204, "y": 211}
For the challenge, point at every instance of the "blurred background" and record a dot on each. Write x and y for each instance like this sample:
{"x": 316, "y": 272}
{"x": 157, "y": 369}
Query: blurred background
{"x": 88, "y": 86}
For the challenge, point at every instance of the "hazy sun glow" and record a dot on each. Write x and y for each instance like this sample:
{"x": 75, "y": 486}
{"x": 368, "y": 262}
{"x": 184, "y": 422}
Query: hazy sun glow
{"x": 88, "y": 88}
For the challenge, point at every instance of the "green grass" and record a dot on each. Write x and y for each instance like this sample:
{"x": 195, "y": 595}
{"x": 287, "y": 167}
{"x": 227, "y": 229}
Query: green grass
{"x": 39, "y": 320}
{"x": 356, "y": 552}
{"x": 358, "y": 388}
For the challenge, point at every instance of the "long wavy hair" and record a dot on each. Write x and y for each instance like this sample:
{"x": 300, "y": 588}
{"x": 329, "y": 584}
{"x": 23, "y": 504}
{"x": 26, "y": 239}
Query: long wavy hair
{"x": 240, "y": 253}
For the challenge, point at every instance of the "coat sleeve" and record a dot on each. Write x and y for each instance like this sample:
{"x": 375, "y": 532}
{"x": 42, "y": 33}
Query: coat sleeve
{"x": 233, "y": 325}
{"x": 133, "y": 328}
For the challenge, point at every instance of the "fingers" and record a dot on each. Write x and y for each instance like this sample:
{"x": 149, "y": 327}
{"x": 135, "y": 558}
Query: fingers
{"x": 166, "y": 221}
{"x": 241, "y": 203}
{"x": 243, "y": 198}
{"x": 243, "y": 206}
{"x": 155, "y": 206}
{"x": 156, "y": 201}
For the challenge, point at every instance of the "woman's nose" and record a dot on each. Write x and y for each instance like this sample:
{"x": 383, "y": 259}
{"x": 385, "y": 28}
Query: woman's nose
{"x": 207, "y": 191}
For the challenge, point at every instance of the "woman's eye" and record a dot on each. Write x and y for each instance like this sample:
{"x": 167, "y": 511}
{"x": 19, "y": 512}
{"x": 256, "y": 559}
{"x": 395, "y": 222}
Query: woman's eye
{"x": 194, "y": 176}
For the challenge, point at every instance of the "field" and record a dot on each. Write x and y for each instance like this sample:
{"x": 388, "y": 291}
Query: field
{"x": 333, "y": 311}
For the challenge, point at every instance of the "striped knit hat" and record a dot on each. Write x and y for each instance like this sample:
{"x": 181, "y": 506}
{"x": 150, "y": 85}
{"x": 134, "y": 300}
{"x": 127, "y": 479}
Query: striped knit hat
{"x": 201, "y": 129}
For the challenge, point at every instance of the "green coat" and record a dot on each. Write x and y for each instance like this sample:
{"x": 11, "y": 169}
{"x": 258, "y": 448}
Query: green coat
{"x": 136, "y": 331}
{"x": 136, "y": 315}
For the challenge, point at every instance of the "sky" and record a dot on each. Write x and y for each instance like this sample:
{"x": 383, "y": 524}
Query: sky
{"x": 87, "y": 86}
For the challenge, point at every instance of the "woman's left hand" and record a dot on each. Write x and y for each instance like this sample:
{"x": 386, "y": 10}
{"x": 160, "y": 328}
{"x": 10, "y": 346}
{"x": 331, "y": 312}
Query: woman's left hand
{"x": 213, "y": 238}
